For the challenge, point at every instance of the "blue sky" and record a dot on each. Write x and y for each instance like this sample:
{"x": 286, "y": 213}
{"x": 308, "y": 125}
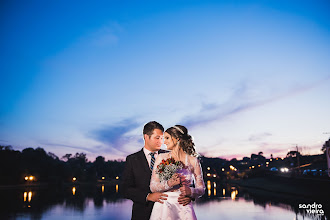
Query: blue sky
{"x": 243, "y": 76}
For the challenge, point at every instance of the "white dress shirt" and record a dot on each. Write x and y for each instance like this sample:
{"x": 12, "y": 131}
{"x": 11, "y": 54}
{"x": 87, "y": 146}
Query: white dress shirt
{"x": 148, "y": 156}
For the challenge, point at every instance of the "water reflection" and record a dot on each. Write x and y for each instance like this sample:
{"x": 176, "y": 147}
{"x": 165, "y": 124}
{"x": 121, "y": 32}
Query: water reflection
{"x": 233, "y": 194}
{"x": 269, "y": 205}
{"x": 74, "y": 190}
{"x": 213, "y": 185}
{"x": 87, "y": 201}
{"x": 208, "y": 186}
{"x": 27, "y": 196}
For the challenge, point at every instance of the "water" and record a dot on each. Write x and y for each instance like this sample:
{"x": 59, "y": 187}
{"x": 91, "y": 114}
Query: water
{"x": 104, "y": 202}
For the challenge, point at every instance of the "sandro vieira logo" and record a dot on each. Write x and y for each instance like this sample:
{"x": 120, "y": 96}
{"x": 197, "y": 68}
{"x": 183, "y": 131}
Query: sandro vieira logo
{"x": 314, "y": 208}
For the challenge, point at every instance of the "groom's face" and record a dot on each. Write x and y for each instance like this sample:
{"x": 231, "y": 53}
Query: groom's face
{"x": 155, "y": 141}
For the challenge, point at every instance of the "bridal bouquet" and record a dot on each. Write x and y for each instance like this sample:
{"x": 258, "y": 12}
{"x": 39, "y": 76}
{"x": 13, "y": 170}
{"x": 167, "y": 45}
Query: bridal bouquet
{"x": 167, "y": 168}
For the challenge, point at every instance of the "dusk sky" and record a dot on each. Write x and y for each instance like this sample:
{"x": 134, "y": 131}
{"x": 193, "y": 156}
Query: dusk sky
{"x": 242, "y": 76}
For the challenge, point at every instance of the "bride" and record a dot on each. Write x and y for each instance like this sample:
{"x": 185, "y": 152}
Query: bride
{"x": 181, "y": 147}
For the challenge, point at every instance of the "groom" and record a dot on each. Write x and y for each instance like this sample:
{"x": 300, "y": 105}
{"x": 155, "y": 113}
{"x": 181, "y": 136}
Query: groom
{"x": 137, "y": 174}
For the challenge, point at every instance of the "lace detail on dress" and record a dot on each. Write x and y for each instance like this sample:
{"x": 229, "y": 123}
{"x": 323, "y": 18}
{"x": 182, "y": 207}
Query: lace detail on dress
{"x": 192, "y": 172}
{"x": 199, "y": 189}
{"x": 155, "y": 184}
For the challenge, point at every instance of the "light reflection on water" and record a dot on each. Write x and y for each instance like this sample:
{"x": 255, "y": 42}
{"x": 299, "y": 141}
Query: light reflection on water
{"x": 233, "y": 194}
{"x": 104, "y": 202}
{"x": 74, "y": 190}
{"x": 27, "y": 196}
{"x": 227, "y": 209}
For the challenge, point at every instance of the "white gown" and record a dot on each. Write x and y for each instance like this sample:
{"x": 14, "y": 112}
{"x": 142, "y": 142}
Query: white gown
{"x": 171, "y": 209}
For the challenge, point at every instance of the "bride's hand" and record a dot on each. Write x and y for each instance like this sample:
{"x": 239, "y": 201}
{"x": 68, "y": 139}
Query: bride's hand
{"x": 183, "y": 180}
{"x": 175, "y": 180}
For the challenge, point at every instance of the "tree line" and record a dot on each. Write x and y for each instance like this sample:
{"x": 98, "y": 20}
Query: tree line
{"x": 47, "y": 167}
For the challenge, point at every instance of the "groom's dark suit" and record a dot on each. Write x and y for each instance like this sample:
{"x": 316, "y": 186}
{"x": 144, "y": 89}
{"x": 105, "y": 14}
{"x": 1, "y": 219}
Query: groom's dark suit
{"x": 135, "y": 184}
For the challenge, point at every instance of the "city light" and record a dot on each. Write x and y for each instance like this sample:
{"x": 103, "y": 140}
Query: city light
{"x": 74, "y": 179}
{"x": 103, "y": 177}
{"x": 117, "y": 177}
{"x": 208, "y": 168}
{"x": 232, "y": 167}
{"x": 29, "y": 178}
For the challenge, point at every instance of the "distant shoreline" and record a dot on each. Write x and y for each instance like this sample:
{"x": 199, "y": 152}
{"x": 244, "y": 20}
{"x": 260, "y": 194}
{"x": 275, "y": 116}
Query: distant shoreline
{"x": 47, "y": 184}
{"x": 301, "y": 187}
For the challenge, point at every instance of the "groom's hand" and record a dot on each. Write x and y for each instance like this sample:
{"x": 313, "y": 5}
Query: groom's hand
{"x": 157, "y": 197}
{"x": 184, "y": 200}
{"x": 185, "y": 191}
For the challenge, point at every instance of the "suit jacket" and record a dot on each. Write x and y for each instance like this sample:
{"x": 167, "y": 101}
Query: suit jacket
{"x": 135, "y": 184}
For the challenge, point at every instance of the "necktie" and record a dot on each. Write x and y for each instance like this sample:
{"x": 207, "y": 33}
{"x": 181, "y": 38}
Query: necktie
{"x": 152, "y": 162}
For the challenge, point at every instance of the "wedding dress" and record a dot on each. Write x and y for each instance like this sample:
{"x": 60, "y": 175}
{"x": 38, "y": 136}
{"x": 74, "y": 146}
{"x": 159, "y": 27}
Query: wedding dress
{"x": 171, "y": 209}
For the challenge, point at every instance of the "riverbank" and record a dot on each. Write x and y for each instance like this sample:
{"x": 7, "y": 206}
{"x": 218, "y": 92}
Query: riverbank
{"x": 301, "y": 187}
{"x": 46, "y": 184}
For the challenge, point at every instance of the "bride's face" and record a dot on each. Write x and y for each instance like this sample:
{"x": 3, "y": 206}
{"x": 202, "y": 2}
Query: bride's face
{"x": 169, "y": 141}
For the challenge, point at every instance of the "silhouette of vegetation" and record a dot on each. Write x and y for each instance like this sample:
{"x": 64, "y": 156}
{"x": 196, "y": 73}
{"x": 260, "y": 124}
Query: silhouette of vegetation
{"x": 47, "y": 167}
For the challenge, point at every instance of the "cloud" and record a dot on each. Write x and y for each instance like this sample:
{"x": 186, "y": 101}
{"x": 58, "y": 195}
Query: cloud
{"x": 90, "y": 150}
{"x": 259, "y": 137}
{"x": 125, "y": 136}
{"x": 105, "y": 36}
{"x": 243, "y": 99}
{"x": 239, "y": 101}
{"x": 117, "y": 136}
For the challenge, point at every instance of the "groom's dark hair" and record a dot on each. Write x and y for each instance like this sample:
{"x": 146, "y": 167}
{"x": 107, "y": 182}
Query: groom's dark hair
{"x": 151, "y": 126}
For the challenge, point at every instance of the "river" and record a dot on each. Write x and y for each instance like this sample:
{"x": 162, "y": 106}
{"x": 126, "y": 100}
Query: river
{"x": 91, "y": 202}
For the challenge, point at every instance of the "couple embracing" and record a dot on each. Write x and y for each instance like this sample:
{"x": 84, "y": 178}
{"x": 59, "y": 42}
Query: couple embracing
{"x": 161, "y": 183}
